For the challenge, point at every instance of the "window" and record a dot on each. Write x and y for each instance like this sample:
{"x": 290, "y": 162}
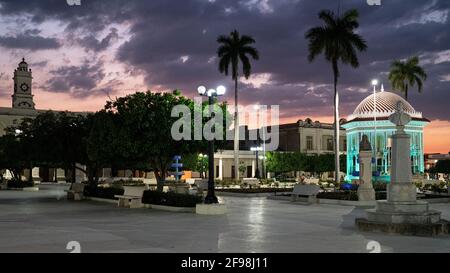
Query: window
{"x": 309, "y": 143}
{"x": 330, "y": 145}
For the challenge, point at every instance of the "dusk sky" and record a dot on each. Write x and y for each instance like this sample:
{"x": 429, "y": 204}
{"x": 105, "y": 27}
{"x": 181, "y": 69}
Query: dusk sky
{"x": 82, "y": 55}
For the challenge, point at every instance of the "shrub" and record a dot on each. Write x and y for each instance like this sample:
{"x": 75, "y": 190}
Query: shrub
{"x": 102, "y": 192}
{"x": 339, "y": 195}
{"x": 171, "y": 199}
{"x": 256, "y": 190}
{"x": 13, "y": 184}
{"x": 379, "y": 186}
{"x": 128, "y": 182}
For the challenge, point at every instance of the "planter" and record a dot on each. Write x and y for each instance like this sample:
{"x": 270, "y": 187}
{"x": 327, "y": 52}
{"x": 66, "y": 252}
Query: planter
{"x": 211, "y": 209}
{"x": 347, "y": 202}
{"x": 170, "y": 209}
{"x": 437, "y": 200}
{"x": 103, "y": 200}
{"x": 28, "y": 189}
{"x": 236, "y": 194}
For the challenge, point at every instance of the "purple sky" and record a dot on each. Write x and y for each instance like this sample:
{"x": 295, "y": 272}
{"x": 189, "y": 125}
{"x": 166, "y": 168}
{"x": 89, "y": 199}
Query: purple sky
{"x": 82, "y": 55}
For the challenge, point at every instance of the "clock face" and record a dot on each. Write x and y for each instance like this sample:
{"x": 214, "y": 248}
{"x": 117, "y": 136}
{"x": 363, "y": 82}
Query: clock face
{"x": 24, "y": 87}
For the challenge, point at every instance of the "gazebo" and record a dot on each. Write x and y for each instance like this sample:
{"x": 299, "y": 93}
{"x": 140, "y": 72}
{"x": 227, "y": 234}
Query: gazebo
{"x": 366, "y": 121}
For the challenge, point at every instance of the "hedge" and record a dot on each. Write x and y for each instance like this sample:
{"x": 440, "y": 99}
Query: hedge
{"x": 100, "y": 192}
{"x": 170, "y": 199}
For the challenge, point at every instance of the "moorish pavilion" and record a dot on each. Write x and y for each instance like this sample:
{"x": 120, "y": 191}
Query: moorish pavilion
{"x": 366, "y": 121}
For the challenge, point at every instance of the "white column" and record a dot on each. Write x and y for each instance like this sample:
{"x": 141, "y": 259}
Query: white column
{"x": 220, "y": 169}
{"x": 35, "y": 173}
{"x": 253, "y": 168}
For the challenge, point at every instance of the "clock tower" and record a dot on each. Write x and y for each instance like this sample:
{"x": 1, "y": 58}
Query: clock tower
{"x": 22, "y": 97}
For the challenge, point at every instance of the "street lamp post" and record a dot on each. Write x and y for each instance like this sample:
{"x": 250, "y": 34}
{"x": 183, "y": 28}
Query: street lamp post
{"x": 256, "y": 150}
{"x": 262, "y": 127}
{"x": 374, "y": 84}
{"x": 211, "y": 197}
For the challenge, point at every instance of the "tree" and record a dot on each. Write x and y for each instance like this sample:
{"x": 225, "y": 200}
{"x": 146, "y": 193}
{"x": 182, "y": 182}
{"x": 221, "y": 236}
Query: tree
{"x": 406, "y": 74}
{"x": 13, "y": 155}
{"x": 143, "y": 132}
{"x": 234, "y": 49}
{"x": 337, "y": 40}
{"x": 55, "y": 139}
{"x": 442, "y": 166}
{"x": 196, "y": 163}
{"x": 102, "y": 143}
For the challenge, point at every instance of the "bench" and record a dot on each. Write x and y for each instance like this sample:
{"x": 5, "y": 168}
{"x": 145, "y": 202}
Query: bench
{"x": 314, "y": 181}
{"x": 202, "y": 184}
{"x": 249, "y": 182}
{"x": 305, "y": 193}
{"x": 180, "y": 188}
{"x": 76, "y": 192}
{"x": 131, "y": 198}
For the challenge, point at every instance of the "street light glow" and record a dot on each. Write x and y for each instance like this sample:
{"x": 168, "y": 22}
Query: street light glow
{"x": 221, "y": 90}
{"x": 201, "y": 90}
{"x": 375, "y": 82}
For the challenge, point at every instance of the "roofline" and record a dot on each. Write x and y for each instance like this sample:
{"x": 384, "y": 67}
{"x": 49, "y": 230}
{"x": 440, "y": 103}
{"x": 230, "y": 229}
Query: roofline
{"x": 383, "y": 118}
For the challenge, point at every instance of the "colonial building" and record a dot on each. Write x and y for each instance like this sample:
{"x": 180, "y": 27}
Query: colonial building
{"x": 23, "y": 106}
{"x": 310, "y": 137}
{"x": 371, "y": 118}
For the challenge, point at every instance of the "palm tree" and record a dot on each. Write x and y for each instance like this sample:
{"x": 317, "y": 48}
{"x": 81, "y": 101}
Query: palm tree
{"x": 337, "y": 40}
{"x": 234, "y": 49}
{"x": 405, "y": 74}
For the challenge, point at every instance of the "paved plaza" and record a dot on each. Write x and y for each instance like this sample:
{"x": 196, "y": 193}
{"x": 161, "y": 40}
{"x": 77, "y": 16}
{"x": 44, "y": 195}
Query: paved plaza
{"x": 45, "y": 222}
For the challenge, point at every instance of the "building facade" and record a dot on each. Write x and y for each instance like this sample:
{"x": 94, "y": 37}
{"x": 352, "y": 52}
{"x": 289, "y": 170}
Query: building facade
{"x": 22, "y": 107}
{"x": 371, "y": 118}
{"x": 310, "y": 137}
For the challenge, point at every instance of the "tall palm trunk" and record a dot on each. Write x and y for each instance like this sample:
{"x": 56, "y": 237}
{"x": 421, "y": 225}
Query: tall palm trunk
{"x": 236, "y": 130}
{"x": 336, "y": 124}
{"x": 406, "y": 92}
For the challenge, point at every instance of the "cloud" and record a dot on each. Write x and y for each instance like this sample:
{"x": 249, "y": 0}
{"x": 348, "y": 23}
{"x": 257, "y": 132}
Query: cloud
{"x": 29, "y": 40}
{"x": 82, "y": 80}
{"x": 90, "y": 42}
{"x": 174, "y": 46}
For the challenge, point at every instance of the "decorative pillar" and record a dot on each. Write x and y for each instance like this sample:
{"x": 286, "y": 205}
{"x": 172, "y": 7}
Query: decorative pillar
{"x": 220, "y": 169}
{"x": 253, "y": 168}
{"x": 365, "y": 189}
{"x": 402, "y": 212}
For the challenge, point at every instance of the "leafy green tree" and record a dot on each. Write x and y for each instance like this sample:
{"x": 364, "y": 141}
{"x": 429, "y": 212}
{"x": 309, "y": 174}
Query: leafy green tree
{"x": 407, "y": 74}
{"x": 196, "y": 163}
{"x": 338, "y": 41}
{"x": 13, "y": 155}
{"x": 102, "y": 143}
{"x": 143, "y": 134}
{"x": 235, "y": 49}
{"x": 442, "y": 166}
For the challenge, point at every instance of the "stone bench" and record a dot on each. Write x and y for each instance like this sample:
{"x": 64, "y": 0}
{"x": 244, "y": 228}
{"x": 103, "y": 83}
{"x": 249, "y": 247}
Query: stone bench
{"x": 76, "y": 192}
{"x": 202, "y": 184}
{"x": 305, "y": 193}
{"x": 314, "y": 181}
{"x": 249, "y": 182}
{"x": 131, "y": 198}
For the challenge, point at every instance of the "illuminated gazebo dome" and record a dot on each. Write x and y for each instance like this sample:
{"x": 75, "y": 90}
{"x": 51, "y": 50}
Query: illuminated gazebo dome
{"x": 365, "y": 120}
